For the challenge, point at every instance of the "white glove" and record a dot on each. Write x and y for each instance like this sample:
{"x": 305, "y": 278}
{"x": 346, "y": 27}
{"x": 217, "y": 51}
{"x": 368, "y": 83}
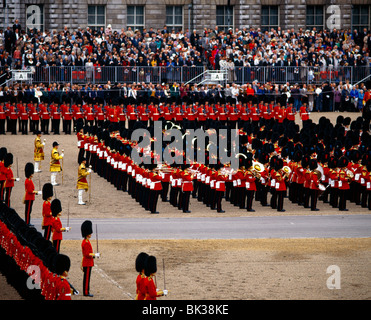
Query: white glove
{"x": 44, "y": 144}
{"x": 89, "y": 170}
{"x": 62, "y": 155}
{"x": 68, "y": 229}
{"x": 17, "y": 179}
{"x": 97, "y": 255}
{"x": 39, "y": 192}
{"x": 165, "y": 292}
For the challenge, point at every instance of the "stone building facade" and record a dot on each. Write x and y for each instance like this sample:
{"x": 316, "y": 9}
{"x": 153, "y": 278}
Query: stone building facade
{"x": 187, "y": 14}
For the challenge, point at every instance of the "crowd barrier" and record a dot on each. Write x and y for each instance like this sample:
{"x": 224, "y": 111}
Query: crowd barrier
{"x": 196, "y": 74}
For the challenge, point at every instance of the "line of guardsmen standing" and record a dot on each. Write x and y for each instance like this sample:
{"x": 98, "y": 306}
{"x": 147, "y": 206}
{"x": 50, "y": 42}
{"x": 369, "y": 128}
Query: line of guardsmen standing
{"x": 324, "y": 161}
{"x": 48, "y": 117}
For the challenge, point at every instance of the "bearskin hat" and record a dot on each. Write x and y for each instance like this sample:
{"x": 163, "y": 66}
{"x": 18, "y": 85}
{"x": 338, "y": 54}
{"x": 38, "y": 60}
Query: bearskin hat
{"x": 86, "y": 228}
{"x": 313, "y": 164}
{"x": 47, "y": 191}
{"x": 62, "y": 263}
{"x": 56, "y": 207}
{"x": 305, "y": 161}
{"x": 29, "y": 169}
{"x": 343, "y": 162}
{"x": 8, "y": 160}
{"x": 3, "y": 152}
{"x": 151, "y": 266}
{"x": 140, "y": 261}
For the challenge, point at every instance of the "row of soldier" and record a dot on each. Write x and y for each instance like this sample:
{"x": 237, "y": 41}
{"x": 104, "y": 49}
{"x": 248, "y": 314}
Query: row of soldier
{"x": 309, "y": 169}
{"x": 38, "y": 117}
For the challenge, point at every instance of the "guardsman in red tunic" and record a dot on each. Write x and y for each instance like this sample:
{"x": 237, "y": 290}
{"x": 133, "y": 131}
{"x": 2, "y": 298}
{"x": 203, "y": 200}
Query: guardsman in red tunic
{"x": 67, "y": 117}
{"x": 99, "y": 115}
{"x": 187, "y": 188}
{"x": 290, "y": 112}
{"x": 250, "y": 185}
{"x": 155, "y": 190}
{"x": 343, "y": 183}
{"x": 281, "y": 114}
{"x": 89, "y": 114}
{"x": 314, "y": 185}
{"x": 23, "y": 116}
{"x": 254, "y": 115}
{"x": 2, "y": 118}
{"x": 141, "y": 281}
{"x": 303, "y": 112}
{"x": 88, "y": 255}
{"x": 220, "y": 189}
{"x": 280, "y": 186}
{"x": 47, "y": 194}
{"x": 62, "y": 267}
{"x": 45, "y": 117}
{"x": 131, "y": 115}
{"x": 57, "y": 228}
{"x": 9, "y": 177}
{"x": 56, "y": 117}
{"x": 152, "y": 293}
{"x": 30, "y": 192}
{"x": 13, "y": 117}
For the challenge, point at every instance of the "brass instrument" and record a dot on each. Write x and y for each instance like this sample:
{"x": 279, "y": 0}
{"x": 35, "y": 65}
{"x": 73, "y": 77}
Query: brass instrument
{"x": 286, "y": 169}
{"x": 257, "y": 166}
{"x": 318, "y": 173}
{"x": 350, "y": 174}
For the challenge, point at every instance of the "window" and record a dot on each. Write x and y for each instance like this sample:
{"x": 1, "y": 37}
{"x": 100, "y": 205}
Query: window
{"x": 315, "y": 17}
{"x": 269, "y": 18}
{"x": 224, "y": 17}
{"x": 35, "y": 17}
{"x": 360, "y": 17}
{"x": 96, "y": 17}
{"x": 135, "y": 17}
{"x": 174, "y": 18}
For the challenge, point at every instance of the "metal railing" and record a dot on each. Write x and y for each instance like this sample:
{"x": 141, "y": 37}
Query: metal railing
{"x": 194, "y": 75}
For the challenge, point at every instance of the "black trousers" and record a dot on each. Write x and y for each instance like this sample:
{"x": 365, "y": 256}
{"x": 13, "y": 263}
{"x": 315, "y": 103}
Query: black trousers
{"x": 2, "y": 126}
{"x": 8, "y": 192}
{"x": 24, "y": 126}
{"x": 86, "y": 280}
{"x": 218, "y": 200}
{"x": 45, "y": 126}
{"x": 280, "y": 199}
{"x": 342, "y": 199}
{"x": 57, "y": 245}
{"x": 313, "y": 198}
{"x": 55, "y": 125}
{"x": 165, "y": 189}
{"x": 28, "y": 210}
{"x": 47, "y": 232}
{"x": 249, "y": 199}
{"x": 186, "y": 195}
{"x": 2, "y": 183}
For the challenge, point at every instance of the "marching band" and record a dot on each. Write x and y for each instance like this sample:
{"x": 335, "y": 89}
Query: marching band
{"x": 277, "y": 159}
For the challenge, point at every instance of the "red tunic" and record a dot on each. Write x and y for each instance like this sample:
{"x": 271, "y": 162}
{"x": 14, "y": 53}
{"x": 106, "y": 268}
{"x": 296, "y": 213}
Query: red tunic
{"x": 57, "y": 226}
{"x": 141, "y": 287}
{"x": 87, "y": 259}
{"x": 151, "y": 293}
{"x": 29, "y": 189}
{"x": 47, "y": 214}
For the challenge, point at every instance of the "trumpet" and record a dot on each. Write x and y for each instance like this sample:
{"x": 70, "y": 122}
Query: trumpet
{"x": 286, "y": 169}
{"x": 257, "y": 166}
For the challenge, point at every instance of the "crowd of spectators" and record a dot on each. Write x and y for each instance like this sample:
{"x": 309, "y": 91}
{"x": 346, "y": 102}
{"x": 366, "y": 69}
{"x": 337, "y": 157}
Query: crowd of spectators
{"x": 212, "y": 48}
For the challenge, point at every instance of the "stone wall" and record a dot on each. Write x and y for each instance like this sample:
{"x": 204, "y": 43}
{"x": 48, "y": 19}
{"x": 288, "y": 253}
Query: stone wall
{"x": 73, "y": 13}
